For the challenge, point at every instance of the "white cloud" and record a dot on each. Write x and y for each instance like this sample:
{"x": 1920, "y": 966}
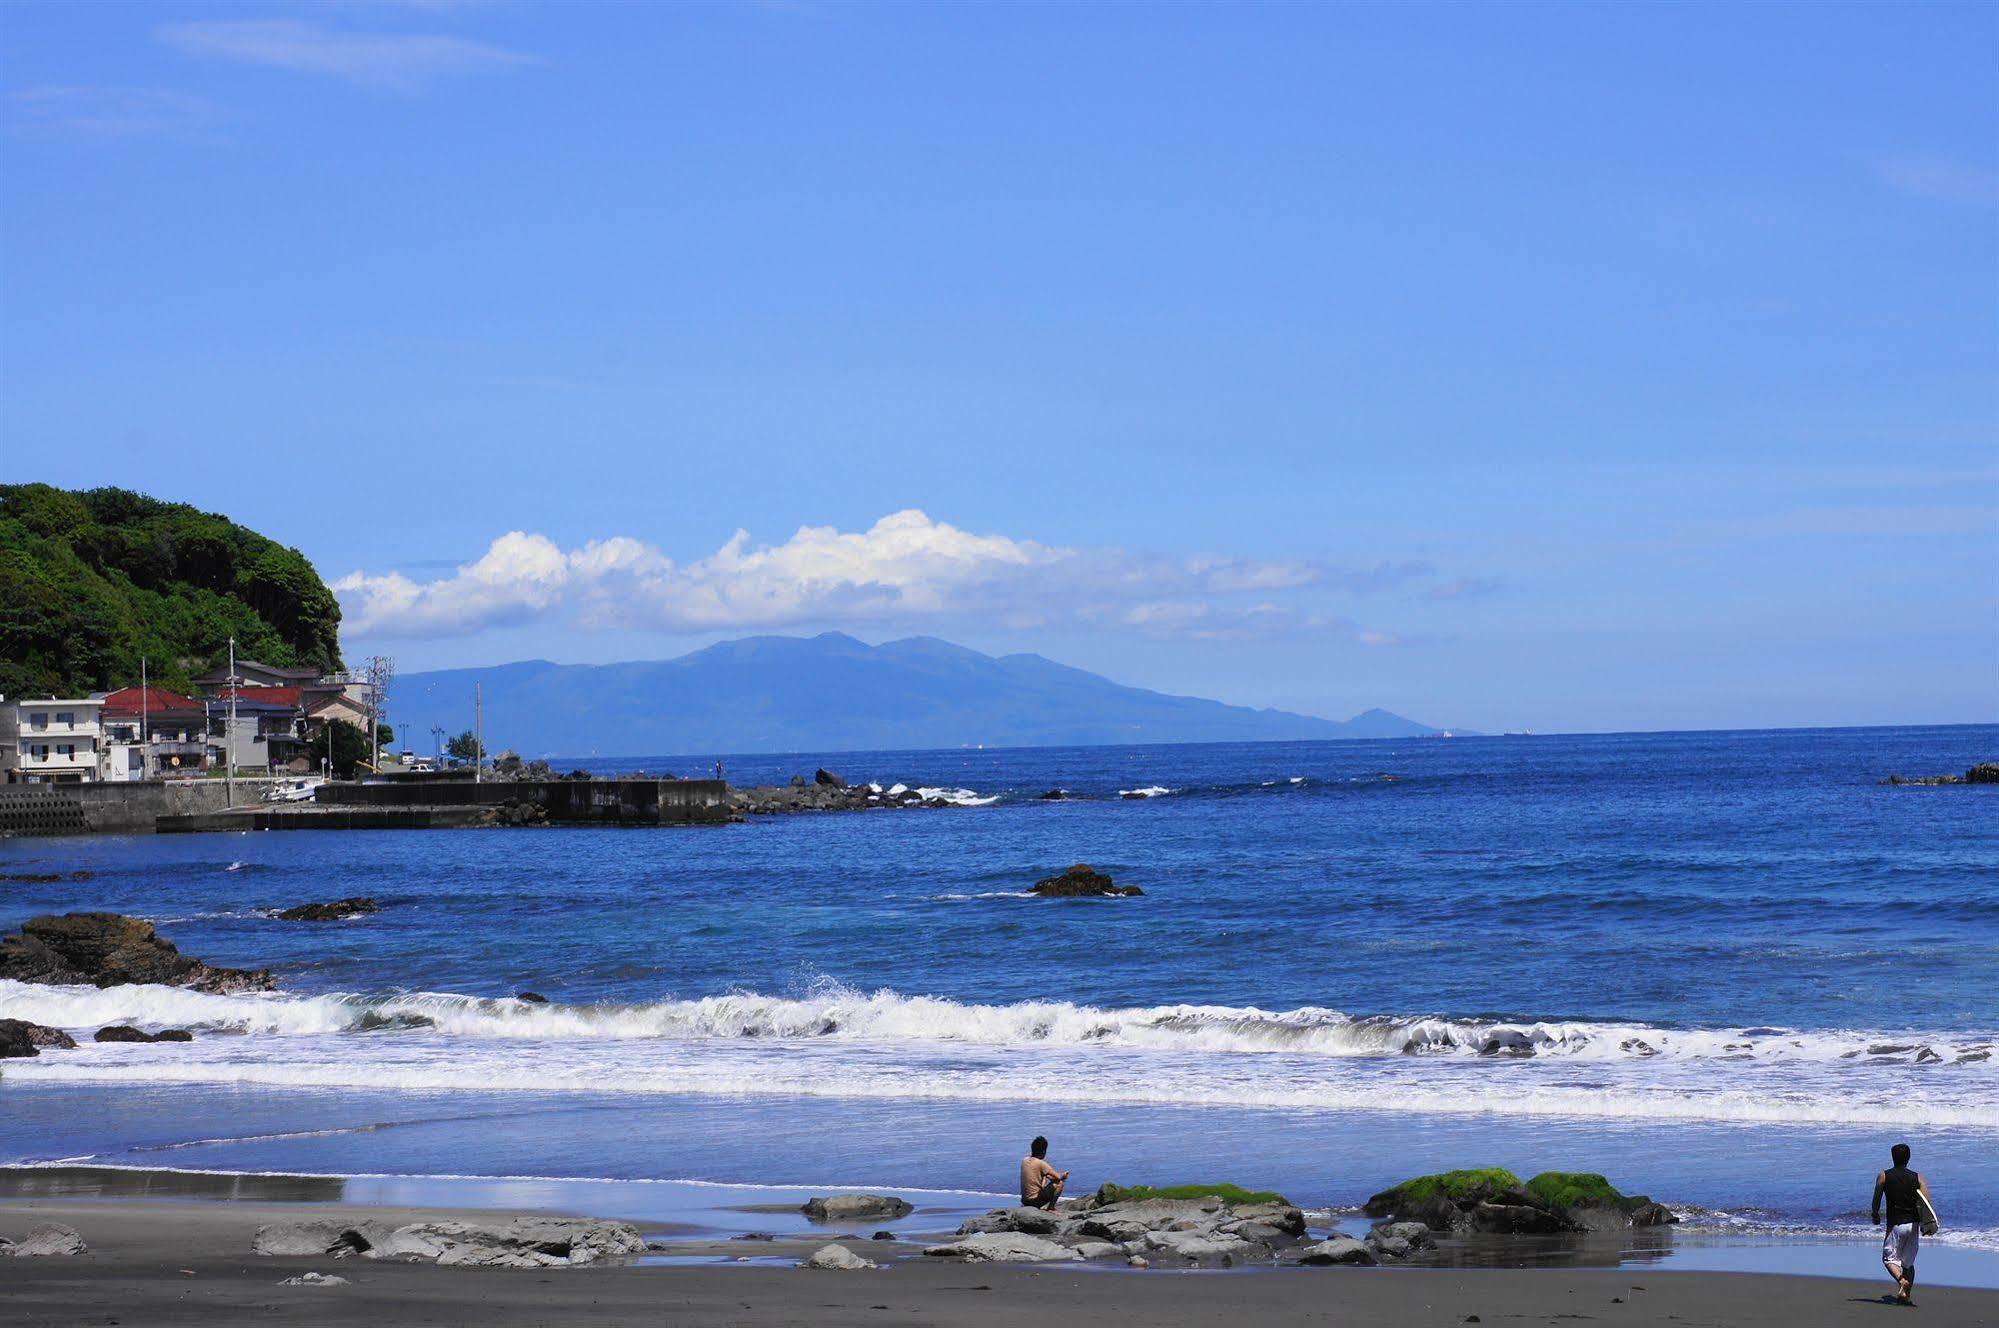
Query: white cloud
{"x": 401, "y": 62}
{"x": 905, "y": 567}
{"x": 1950, "y": 181}
{"x": 111, "y": 111}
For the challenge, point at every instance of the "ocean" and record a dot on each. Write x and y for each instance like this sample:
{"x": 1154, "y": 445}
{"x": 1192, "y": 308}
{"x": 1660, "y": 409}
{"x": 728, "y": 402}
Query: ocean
{"x": 1726, "y": 969}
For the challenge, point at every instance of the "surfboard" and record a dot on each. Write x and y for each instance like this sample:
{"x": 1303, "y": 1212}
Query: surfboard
{"x": 1926, "y": 1214}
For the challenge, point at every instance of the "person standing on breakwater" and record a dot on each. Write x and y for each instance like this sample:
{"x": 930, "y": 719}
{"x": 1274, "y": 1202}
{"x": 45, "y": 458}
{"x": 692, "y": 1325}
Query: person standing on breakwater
{"x": 1040, "y": 1184}
{"x": 1900, "y": 1186}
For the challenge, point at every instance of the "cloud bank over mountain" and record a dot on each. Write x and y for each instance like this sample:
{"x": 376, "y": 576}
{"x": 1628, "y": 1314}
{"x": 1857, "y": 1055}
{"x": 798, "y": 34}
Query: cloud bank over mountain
{"x": 907, "y": 567}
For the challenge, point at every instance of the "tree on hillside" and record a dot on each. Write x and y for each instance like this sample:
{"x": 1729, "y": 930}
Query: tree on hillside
{"x": 93, "y": 581}
{"x": 464, "y": 747}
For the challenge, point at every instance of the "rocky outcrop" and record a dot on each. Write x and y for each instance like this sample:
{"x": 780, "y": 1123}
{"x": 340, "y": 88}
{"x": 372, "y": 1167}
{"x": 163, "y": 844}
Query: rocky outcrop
{"x": 1004, "y": 1247}
{"x": 1390, "y": 1241}
{"x": 1202, "y": 1231}
{"x": 110, "y": 950}
{"x": 1083, "y": 881}
{"x": 1985, "y": 772}
{"x": 856, "y": 1208}
{"x": 50, "y": 1239}
{"x": 337, "y": 911}
{"x": 1337, "y": 1250}
{"x": 18, "y": 1037}
{"x": 1495, "y": 1201}
{"x": 801, "y": 796}
{"x": 838, "y": 1258}
{"x": 522, "y": 1242}
{"x": 825, "y": 776}
{"x": 127, "y": 1033}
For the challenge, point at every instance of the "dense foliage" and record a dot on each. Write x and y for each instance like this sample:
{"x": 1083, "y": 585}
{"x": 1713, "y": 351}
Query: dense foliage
{"x": 91, "y": 581}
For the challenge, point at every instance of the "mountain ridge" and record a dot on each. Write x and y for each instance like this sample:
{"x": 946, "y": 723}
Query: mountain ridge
{"x": 833, "y": 692}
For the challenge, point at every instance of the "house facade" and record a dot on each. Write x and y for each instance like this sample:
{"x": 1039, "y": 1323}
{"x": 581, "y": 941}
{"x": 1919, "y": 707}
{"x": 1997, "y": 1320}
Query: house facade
{"x": 152, "y": 733}
{"x": 50, "y": 741}
{"x": 264, "y": 729}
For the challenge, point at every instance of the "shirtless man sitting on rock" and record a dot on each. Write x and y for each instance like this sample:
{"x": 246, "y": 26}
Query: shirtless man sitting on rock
{"x": 1040, "y": 1184}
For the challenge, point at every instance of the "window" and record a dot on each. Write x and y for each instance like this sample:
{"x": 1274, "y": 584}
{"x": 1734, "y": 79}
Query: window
{"x": 66, "y": 718}
{"x": 66, "y": 750}
{"x": 39, "y": 720}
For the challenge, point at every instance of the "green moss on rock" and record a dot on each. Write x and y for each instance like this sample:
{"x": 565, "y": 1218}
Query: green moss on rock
{"x": 1452, "y": 1185}
{"x": 1575, "y": 1189}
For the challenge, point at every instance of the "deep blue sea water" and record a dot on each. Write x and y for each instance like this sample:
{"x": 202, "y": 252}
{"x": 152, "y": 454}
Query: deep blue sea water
{"x": 1741, "y": 966}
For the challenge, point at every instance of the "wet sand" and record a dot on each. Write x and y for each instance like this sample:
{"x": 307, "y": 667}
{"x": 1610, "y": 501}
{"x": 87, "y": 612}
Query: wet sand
{"x": 179, "y": 1262}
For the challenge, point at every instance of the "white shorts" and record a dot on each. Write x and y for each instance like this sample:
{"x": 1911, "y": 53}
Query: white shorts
{"x": 1898, "y": 1246}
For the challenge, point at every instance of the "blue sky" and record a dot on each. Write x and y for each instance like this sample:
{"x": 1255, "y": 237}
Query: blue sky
{"x": 1552, "y": 367}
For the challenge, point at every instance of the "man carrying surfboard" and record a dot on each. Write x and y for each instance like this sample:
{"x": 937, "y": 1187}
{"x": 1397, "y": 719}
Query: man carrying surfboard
{"x": 1910, "y": 1217}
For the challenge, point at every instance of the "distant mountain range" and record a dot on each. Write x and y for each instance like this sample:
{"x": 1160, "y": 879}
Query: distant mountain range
{"x": 832, "y": 693}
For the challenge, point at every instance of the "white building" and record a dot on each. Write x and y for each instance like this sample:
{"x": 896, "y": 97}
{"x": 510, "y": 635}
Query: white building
{"x": 50, "y": 741}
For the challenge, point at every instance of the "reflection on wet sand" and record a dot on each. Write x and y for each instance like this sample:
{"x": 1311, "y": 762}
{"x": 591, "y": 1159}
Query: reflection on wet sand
{"x": 119, "y": 1183}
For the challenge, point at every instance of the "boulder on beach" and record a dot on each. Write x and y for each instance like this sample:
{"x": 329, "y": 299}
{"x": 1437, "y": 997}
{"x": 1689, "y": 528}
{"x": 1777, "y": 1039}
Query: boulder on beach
{"x": 314, "y": 1279}
{"x": 1004, "y": 1247}
{"x": 18, "y": 1037}
{"x": 338, "y": 910}
{"x": 110, "y": 950}
{"x": 49, "y": 1239}
{"x": 1336, "y": 1250}
{"x": 521, "y": 1242}
{"x": 1494, "y": 1200}
{"x": 1083, "y": 881}
{"x": 838, "y": 1257}
{"x": 1177, "y": 1227}
{"x": 856, "y": 1208}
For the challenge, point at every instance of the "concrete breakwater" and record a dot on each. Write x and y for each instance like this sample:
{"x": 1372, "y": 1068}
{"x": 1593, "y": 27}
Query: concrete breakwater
{"x": 112, "y": 809}
{"x": 566, "y": 801}
{"x": 202, "y": 805}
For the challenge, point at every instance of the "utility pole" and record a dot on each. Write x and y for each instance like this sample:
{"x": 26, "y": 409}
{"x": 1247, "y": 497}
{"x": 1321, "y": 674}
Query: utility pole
{"x": 478, "y": 735}
{"x": 145, "y": 721}
{"x": 229, "y": 735}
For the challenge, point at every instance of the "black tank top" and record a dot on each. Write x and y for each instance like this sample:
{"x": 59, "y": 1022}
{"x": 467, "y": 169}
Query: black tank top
{"x": 1898, "y": 1186}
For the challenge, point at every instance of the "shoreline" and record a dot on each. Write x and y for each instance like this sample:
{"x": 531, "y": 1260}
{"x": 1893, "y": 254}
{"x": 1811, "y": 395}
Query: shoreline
{"x": 708, "y": 1223}
{"x": 174, "y": 1261}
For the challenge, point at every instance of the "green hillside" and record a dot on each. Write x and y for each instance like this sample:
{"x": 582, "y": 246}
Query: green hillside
{"x": 91, "y": 581}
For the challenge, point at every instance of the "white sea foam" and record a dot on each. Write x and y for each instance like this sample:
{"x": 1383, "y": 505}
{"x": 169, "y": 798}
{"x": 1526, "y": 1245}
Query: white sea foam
{"x": 1150, "y": 791}
{"x": 962, "y": 797}
{"x": 835, "y": 1011}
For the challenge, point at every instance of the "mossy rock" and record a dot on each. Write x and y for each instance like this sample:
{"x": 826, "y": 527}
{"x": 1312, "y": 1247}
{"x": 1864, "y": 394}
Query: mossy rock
{"x": 1457, "y": 1188}
{"x": 1591, "y": 1201}
{"x": 1233, "y": 1195}
{"x": 1575, "y": 1189}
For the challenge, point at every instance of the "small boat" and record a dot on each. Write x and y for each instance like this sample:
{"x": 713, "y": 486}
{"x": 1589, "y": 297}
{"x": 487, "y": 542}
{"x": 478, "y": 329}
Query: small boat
{"x": 294, "y": 790}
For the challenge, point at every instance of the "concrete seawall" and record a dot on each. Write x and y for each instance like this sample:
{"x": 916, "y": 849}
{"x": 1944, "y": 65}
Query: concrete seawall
{"x": 112, "y": 809}
{"x": 193, "y": 805}
{"x": 568, "y": 801}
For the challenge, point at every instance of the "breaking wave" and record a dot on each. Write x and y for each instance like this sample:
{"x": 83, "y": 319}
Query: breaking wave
{"x": 835, "y": 1011}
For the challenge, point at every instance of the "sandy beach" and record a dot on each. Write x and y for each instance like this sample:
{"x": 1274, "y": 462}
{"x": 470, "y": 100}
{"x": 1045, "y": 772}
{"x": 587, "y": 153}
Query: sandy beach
{"x": 172, "y": 1262}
